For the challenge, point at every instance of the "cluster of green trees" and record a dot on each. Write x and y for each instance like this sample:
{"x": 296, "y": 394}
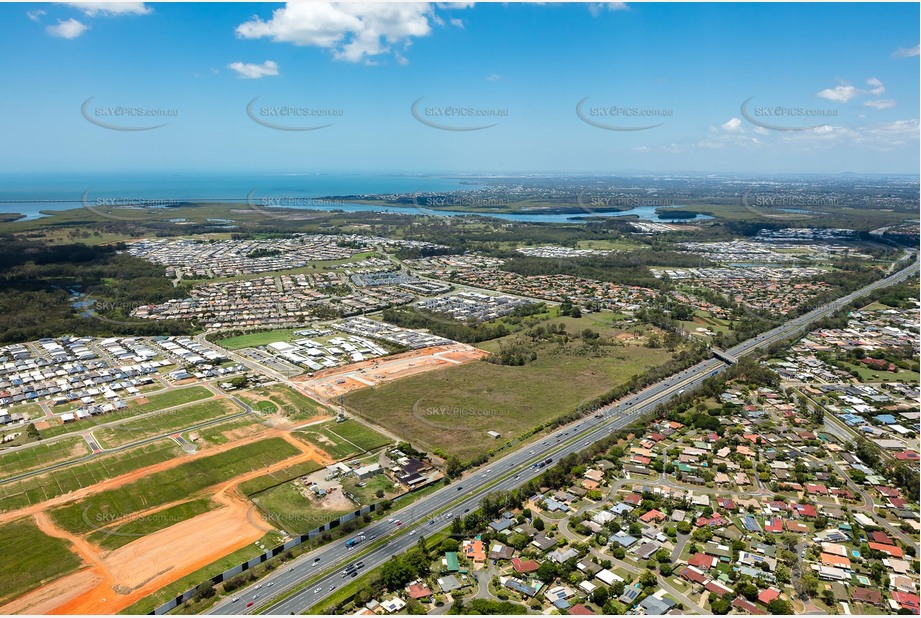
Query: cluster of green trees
{"x": 444, "y": 326}
{"x": 629, "y": 268}
{"x": 41, "y": 283}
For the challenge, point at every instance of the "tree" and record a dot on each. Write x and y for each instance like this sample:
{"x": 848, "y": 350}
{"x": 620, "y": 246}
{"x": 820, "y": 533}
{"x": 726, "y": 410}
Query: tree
{"x": 547, "y": 572}
{"x": 684, "y": 527}
{"x": 748, "y": 590}
{"x": 453, "y": 467}
{"x": 449, "y": 545}
{"x": 600, "y": 596}
{"x": 828, "y": 597}
{"x": 204, "y": 591}
{"x": 648, "y": 579}
{"x": 779, "y": 606}
{"x": 538, "y": 524}
{"x": 395, "y": 573}
{"x": 782, "y": 574}
{"x": 720, "y": 607}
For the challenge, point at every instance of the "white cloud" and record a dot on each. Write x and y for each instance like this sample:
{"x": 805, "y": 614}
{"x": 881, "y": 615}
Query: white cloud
{"x": 36, "y": 15}
{"x": 907, "y": 52}
{"x": 111, "y": 8}
{"x": 354, "y": 32}
{"x": 878, "y": 87}
{"x": 841, "y": 94}
{"x": 457, "y": 23}
{"x": 880, "y": 104}
{"x": 493, "y": 77}
{"x": 596, "y": 8}
{"x": 731, "y": 125}
{"x": 254, "y": 71}
{"x": 69, "y": 29}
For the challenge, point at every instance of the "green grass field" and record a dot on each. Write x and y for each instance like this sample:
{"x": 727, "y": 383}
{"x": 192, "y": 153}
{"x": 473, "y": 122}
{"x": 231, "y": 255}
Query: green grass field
{"x": 254, "y": 486}
{"x": 333, "y": 445}
{"x": 42, "y": 454}
{"x": 451, "y": 410}
{"x": 285, "y": 508}
{"x": 43, "y": 487}
{"x": 165, "y": 422}
{"x": 367, "y": 494}
{"x": 178, "y": 483}
{"x": 219, "y": 433}
{"x": 360, "y": 435}
{"x": 867, "y": 373}
{"x": 263, "y": 337}
{"x": 341, "y": 440}
{"x": 160, "y": 401}
{"x": 111, "y": 535}
{"x": 31, "y": 557}
{"x": 280, "y": 398}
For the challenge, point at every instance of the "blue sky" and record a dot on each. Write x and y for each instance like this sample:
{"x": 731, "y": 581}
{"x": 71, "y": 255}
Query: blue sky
{"x": 832, "y": 87}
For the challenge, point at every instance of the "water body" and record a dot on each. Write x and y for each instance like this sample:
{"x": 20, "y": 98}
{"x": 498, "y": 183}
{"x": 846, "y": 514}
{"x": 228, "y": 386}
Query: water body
{"x": 30, "y": 194}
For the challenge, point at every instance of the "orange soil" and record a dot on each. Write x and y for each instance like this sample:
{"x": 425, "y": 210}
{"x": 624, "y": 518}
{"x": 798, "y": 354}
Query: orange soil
{"x": 323, "y": 384}
{"x": 115, "y": 580}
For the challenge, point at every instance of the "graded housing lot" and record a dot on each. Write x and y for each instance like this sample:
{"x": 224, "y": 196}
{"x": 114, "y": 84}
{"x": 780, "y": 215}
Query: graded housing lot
{"x": 144, "y": 529}
{"x": 331, "y": 383}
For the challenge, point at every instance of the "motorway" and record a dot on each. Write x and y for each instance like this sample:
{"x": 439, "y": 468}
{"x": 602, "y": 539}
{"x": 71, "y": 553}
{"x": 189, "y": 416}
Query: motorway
{"x": 325, "y": 564}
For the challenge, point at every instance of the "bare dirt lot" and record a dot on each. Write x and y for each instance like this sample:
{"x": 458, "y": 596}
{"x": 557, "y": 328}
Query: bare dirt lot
{"x": 115, "y": 580}
{"x": 328, "y": 384}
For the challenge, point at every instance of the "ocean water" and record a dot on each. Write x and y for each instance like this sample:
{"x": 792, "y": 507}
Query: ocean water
{"x": 30, "y": 194}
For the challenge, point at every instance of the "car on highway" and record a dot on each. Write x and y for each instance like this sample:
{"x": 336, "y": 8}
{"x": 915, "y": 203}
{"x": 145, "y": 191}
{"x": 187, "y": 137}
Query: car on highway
{"x": 316, "y": 560}
{"x": 466, "y": 510}
{"x": 235, "y": 599}
{"x": 250, "y": 604}
{"x": 270, "y": 584}
{"x": 398, "y": 522}
{"x": 333, "y": 587}
{"x": 391, "y": 520}
{"x": 459, "y": 488}
{"x": 316, "y": 591}
{"x": 431, "y": 522}
{"x": 255, "y": 596}
{"x": 412, "y": 533}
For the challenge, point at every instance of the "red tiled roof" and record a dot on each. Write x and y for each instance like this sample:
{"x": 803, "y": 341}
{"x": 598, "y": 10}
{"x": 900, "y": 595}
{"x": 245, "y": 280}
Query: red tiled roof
{"x": 693, "y": 575}
{"x": 891, "y": 550}
{"x": 524, "y": 567}
{"x": 419, "y": 591}
{"x": 866, "y": 595}
{"x": 580, "y": 610}
{"x": 748, "y": 606}
{"x": 906, "y": 600}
